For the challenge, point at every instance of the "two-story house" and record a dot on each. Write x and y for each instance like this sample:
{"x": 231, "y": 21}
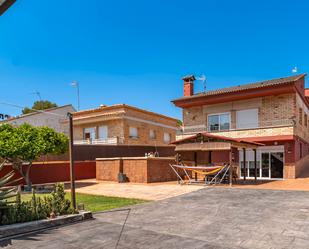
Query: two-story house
{"x": 122, "y": 124}
{"x": 273, "y": 112}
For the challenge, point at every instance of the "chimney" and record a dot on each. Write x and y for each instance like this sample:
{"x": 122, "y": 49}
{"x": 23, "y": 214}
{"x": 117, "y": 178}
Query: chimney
{"x": 188, "y": 85}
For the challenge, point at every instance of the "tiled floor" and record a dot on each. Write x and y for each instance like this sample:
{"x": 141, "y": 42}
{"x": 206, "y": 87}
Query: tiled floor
{"x": 153, "y": 191}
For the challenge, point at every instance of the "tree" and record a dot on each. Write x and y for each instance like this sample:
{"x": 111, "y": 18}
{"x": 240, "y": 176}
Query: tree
{"x": 39, "y": 105}
{"x": 23, "y": 144}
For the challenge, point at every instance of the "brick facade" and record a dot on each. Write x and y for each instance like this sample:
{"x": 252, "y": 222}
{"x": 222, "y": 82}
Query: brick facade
{"x": 137, "y": 170}
{"x": 283, "y": 112}
{"x": 119, "y": 119}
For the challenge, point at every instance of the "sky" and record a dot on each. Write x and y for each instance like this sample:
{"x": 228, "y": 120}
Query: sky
{"x": 137, "y": 51}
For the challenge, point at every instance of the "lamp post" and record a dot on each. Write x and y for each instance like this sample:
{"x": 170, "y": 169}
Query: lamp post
{"x": 72, "y": 168}
{"x": 76, "y": 84}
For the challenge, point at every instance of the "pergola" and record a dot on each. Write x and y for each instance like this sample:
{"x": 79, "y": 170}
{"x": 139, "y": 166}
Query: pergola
{"x": 210, "y": 142}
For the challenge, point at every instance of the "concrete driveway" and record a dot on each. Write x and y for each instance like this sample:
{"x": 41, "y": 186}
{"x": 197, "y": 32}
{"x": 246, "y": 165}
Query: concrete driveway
{"x": 207, "y": 218}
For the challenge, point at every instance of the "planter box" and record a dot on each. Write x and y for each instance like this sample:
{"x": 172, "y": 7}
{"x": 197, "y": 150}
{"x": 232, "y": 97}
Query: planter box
{"x": 21, "y": 228}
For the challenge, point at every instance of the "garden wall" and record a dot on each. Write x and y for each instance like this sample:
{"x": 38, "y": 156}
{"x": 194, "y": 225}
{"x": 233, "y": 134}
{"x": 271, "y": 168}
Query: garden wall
{"x": 51, "y": 172}
{"x": 137, "y": 169}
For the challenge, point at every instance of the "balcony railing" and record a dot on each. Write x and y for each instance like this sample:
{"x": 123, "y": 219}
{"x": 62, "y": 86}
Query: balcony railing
{"x": 105, "y": 141}
{"x": 262, "y": 125}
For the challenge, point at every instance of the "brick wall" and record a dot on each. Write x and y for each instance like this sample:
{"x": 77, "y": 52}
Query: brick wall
{"x": 138, "y": 170}
{"x": 124, "y": 117}
{"x": 143, "y": 134}
{"x": 272, "y": 110}
{"x": 115, "y": 128}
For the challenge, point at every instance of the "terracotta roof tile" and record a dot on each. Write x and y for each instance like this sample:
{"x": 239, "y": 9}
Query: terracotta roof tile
{"x": 255, "y": 85}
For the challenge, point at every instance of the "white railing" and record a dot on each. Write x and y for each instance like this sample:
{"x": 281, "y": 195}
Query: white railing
{"x": 106, "y": 141}
{"x": 262, "y": 125}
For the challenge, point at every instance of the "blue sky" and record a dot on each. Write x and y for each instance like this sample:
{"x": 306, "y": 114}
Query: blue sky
{"x": 136, "y": 52}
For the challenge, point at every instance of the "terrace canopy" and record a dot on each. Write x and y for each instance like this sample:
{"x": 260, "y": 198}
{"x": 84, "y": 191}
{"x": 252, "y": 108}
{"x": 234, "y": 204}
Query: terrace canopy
{"x": 210, "y": 142}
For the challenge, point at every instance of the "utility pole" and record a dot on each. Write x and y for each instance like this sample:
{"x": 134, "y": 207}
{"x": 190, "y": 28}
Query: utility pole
{"x": 72, "y": 168}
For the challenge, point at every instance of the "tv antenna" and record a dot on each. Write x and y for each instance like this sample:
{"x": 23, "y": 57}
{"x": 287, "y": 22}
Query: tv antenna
{"x": 203, "y": 79}
{"x": 37, "y": 93}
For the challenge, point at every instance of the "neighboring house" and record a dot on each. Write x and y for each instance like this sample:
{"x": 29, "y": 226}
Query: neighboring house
{"x": 273, "y": 112}
{"x": 55, "y": 118}
{"x": 123, "y": 125}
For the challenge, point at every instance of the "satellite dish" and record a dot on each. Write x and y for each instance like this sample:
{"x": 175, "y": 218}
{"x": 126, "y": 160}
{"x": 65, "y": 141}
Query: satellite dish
{"x": 203, "y": 79}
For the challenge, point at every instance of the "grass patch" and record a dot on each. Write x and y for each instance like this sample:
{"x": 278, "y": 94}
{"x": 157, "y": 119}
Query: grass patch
{"x": 95, "y": 203}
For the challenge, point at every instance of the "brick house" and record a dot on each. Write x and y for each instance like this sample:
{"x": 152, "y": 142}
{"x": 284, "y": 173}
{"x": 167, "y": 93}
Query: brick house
{"x": 273, "y": 112}
{"x": 123, "y": 125}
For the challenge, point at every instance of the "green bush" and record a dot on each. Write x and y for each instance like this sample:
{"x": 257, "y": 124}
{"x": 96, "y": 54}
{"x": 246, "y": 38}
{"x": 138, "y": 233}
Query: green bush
{"x": 37, "y": 208}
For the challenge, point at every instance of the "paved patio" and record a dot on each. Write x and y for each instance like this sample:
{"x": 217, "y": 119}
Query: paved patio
{"x": 152, "y": 191}
{"x": 164, "y": 190}
{"x": 207, "y": 218}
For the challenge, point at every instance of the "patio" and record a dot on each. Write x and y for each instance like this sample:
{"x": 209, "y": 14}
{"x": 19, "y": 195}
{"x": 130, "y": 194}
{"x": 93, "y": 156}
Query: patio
{"x": 150, "y": 191}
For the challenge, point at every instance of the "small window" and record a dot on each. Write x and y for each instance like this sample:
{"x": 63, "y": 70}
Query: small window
{"x": 133, "y": 132}
{"x": 167, "y": 137}
{"x": 305, "y": 120}
{"x": 152, "y": 134}
{"x": 300, "y": 116}
{"x": 219, "y": 122}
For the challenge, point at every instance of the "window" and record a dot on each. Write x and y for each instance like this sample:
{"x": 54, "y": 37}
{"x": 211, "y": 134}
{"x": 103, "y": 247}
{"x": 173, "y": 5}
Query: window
{"x": 90, "y": 133}
{"x": 167, "y": 137}
{"x": 133, "y": 132}
{"x": 103, "y": 132}
{"x": 219, "y": 122}
{"x": 152, "y": 134}
{"x": 247, "y": 119}
{"x": 305, "y": 120}
{"x": 300, "y": 116}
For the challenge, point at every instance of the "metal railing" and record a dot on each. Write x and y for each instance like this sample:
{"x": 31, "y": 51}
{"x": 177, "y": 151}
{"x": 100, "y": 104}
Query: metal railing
{"x": 233, "y": 127}
{"x": 105, "y": 141}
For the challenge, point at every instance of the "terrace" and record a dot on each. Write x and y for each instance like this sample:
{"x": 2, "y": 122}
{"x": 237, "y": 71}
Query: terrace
{"x": 232, "y": 129}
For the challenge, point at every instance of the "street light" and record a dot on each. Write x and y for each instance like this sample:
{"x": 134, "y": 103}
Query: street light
{"x": 76, "y": 84}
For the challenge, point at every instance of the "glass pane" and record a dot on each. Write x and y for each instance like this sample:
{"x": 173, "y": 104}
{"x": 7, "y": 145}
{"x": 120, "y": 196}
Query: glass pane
{"x": 213, "y": 122}
{"x": 252, "y": 169}
{"x": 265, "y": 164}
{"x": 276, "y": 165}
{"x": 242, "y": 169}
{"x": 224, "y": 122}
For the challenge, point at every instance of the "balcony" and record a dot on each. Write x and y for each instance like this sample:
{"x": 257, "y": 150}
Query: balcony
{"x": 265, "y": 128}
{"x": 100, "y": 141}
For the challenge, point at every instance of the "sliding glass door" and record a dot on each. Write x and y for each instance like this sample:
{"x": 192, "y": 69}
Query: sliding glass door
{"x": 269, "y": 164}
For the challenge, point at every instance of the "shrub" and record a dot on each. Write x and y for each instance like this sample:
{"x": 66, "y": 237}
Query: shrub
{"x": 37, "y": 208}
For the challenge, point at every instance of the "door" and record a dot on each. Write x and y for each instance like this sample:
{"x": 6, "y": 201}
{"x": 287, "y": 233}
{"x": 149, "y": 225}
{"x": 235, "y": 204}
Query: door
{"x": 265, "y": 165}
{"x": 276, "y": 164}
